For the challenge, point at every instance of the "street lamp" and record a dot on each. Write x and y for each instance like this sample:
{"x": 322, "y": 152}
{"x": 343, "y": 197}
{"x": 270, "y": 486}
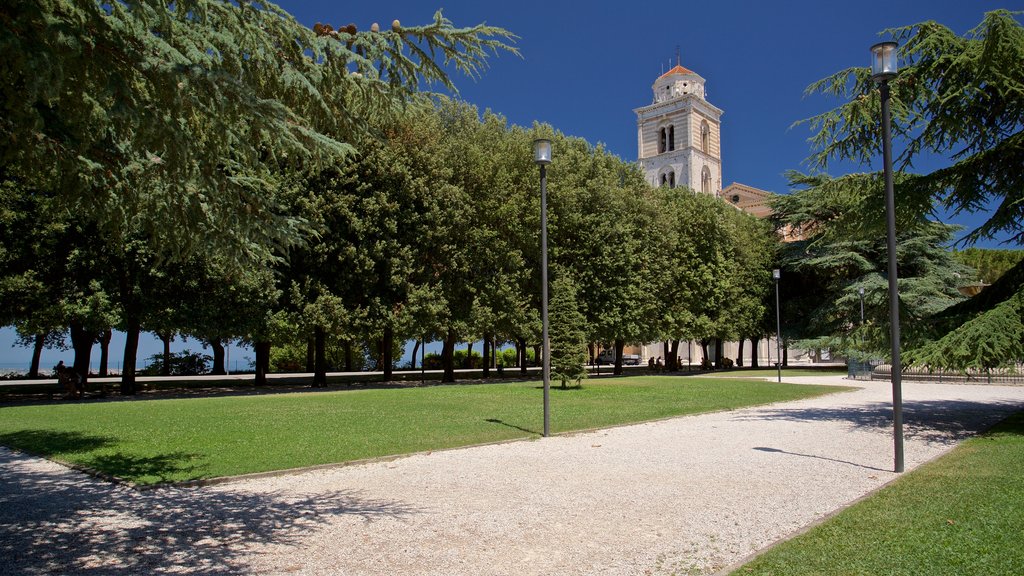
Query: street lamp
{"x": 883, "y": 69}
{"x": 542, "y": 156}
{"x": 776, "y": 275}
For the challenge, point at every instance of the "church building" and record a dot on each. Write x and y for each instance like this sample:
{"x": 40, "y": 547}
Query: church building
{"x": 679, "y": 144}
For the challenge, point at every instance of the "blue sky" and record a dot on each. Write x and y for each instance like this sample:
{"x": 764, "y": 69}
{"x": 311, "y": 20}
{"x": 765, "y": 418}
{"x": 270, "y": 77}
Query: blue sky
{"x": 586, "y": 66}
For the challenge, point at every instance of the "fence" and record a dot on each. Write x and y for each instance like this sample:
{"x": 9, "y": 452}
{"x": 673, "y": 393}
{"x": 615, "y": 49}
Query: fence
{"x": 1012, "y": 375}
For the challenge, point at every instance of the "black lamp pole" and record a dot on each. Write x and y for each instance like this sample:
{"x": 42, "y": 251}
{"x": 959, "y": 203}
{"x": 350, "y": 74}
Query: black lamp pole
{"x": 776, "y": 275}
{"x": 883, "y": 69}
{"x": 542, "y": 156}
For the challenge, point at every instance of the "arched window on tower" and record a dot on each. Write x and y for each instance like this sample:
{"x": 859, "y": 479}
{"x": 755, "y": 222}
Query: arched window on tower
{"x": 705, "y": 180}
{"x": 705, "y": 137}
{"x": 671, "y": 137}
{"x": 661, "y": 140}
{"x": 668, "y": 179}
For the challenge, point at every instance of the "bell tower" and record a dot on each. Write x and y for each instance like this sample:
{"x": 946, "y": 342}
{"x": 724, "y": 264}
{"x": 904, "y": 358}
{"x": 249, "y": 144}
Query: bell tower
{"x": 678, "y": 134}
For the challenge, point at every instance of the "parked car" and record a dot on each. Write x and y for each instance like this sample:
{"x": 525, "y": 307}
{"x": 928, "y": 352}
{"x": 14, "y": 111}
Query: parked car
{"x": 608, "y": 357}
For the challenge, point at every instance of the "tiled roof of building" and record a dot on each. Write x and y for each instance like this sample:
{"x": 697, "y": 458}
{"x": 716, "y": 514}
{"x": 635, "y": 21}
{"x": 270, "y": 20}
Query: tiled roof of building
{"x": 677, "y": 70}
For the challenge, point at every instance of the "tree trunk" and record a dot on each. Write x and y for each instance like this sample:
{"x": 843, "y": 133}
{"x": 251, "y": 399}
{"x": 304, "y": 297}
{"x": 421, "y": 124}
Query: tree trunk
{"x": 673, "y": 358}
{"x": 319, "y": 357}
{"x": 785, "y": 354}
{"x": 704, "y": 361}
{"x": 538, "y": 356}
{"x": 218, "y": 357}
{"x": 448, "y": 356}
{"x": 521, "y": 354}
{"x": 131, "y": 352}
{"x": 81, "y": 341}
{"x": 754, "y": 355}
{"x": 348, "y": 356}
{"x": 311, "y": 353}
{"x": 469, "y": 356}
{"x": 718, "y": 353}
{"x": 262, "y": 350}
{"x": 165, "y": 338}
{"x": 739, "y": 355}
{"x": 104, "y": 351}
{"x": 415, "y": 349}
{"x": 386, "y": 352}
{"x": 590, "y": 352}
{"x": 487, "y": 356}
{"x": 37, "y": 351}
{"x": 620, "y": 345}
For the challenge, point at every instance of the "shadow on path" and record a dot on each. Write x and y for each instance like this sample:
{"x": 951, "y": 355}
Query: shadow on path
{"x": 778, "y": 451}
{"x": 59, "y": 521}
{"x": 927, "y": 420}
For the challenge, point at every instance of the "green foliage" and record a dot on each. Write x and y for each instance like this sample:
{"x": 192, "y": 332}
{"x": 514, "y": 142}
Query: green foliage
{"x": 824, "y": 270}
{"x": 568, "y": 334}
{"x": 961, "y": 97}
{"x": 184, "y": 363}
{"x": 459, "y": 359}
{"x": 990, "y": 264}
{"x": 991, "y": 339}
{"x": 181, "y": 119}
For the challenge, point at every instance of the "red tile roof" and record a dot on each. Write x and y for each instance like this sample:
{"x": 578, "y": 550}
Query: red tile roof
{"x": 677, "y": 70}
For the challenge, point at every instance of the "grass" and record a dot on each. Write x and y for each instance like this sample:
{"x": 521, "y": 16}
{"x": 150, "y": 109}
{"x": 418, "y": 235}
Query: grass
{"x": 957, "y": 516}
{"x": 173, "y": 440}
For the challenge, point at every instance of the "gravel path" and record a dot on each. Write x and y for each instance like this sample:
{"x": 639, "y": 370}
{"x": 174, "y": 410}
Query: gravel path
{"x": 689, "y": 495}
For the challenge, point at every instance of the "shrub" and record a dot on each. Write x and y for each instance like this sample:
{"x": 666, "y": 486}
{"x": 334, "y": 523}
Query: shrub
{"x": 184, "y": 363}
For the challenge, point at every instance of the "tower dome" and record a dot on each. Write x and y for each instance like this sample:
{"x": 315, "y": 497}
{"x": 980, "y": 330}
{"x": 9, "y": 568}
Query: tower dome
{"x": 677, "y": 82}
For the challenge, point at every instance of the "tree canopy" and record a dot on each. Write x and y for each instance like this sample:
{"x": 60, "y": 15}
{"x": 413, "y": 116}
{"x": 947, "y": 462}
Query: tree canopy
{"x": 955, "y": 97}
{"x": 960, "y": 97}
{"x": 178, "y": 119}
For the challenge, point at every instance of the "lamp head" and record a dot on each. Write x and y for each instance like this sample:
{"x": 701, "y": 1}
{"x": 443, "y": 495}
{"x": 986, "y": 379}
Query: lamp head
{"x": 542, "y": 151}
{"x": 883, "y": 61}
{"x": 776, "y": 274}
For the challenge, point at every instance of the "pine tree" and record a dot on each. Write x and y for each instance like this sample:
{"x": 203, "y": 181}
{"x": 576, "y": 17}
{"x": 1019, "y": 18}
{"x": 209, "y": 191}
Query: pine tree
{"x": 568, "y": 332}
{"x": 961, "y": 97}
{"x": 955, "y": 96}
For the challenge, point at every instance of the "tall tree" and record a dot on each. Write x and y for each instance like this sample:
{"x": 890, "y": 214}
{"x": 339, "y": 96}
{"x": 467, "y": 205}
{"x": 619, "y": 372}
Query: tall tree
{"x": 956, "y": 96}
{"x": 825, "y": 269}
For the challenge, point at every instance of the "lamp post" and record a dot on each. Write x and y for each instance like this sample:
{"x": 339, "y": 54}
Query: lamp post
{"x": 861, "y": 292}
{"x": 776, "y": 275}
{"x": 883, "y": 69}
{"x": 542, "y": 156}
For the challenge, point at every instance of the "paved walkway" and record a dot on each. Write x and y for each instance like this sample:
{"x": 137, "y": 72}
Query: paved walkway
{"x": 689, "y": 495}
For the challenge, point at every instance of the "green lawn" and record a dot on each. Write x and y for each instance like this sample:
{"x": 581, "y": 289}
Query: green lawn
{"x": 957, "y": 516}
{"x": 151, "y": 441}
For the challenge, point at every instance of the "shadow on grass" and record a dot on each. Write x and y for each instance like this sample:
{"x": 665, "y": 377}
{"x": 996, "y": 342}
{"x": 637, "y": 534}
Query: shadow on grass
{"x": 928, "y": 420}
{"x": 56, "y": 520}
{"x": 59, "y": 444}
{"x": 52, "y": 442}
{"x": 503, "y": 423}
{"x": 159, "y": 468}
